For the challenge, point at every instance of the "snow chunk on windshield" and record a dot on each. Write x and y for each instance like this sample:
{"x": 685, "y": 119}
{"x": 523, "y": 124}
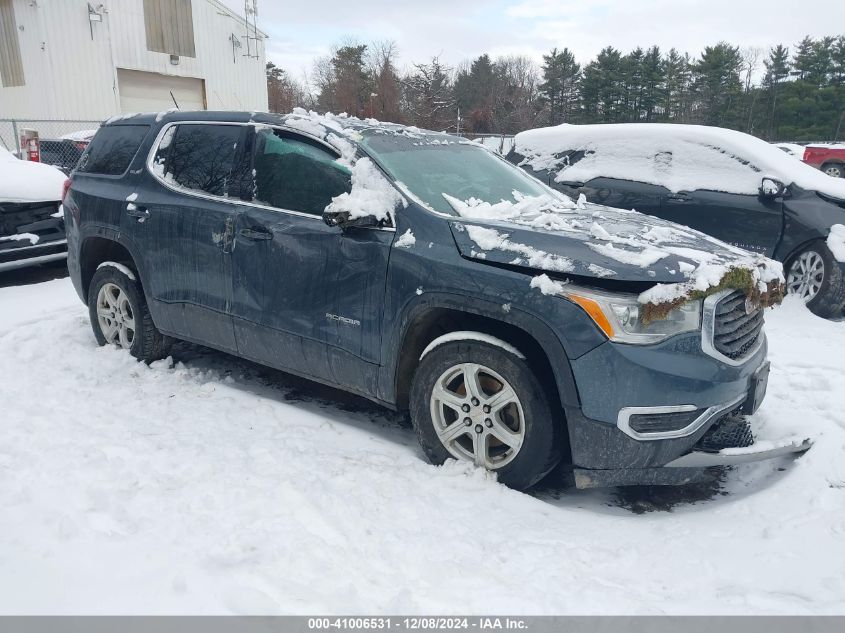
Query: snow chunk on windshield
{"x": 371, "y": 194}
{"x": 836, "y": 242}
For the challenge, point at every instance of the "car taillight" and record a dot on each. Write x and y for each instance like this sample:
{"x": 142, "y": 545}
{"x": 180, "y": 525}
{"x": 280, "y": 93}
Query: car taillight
{"x": 66, "y": 188}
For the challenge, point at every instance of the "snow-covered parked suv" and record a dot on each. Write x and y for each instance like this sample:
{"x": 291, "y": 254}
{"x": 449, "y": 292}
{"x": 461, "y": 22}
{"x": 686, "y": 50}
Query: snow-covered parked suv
{"x": 427, "y": 274}
{"x": 31, "y": 225}
{"x": 730, "y": 185}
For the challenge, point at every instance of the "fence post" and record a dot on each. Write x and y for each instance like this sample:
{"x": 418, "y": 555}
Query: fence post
{"x": 15, "y": 138}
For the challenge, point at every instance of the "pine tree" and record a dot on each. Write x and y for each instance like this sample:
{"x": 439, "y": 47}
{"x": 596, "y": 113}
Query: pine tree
{"x": 802, "y": 61}
{"x": 560, "y": 84}
{"x": 777, "y": 71}
{"x": 676, "y": 86}
{"x": 653, "y": 82}
{"x": 717, "y": 84}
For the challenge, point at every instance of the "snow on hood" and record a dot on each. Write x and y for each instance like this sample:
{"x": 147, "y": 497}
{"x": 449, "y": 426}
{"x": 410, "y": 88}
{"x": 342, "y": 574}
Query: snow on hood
{"x": 678, "y": 157}
{"x": 25, "y": 181}
{"x": 552, "y": 233}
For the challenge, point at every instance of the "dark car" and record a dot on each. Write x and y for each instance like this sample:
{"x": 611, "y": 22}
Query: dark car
{"x": 427, "y": 274}
{"x": 62, "y": 153}
{"x": 733, "y": 186}
{"x": 31, "y": 224}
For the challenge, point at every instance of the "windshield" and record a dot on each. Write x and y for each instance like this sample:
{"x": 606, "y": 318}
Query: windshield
{"x": 430, "y": 166}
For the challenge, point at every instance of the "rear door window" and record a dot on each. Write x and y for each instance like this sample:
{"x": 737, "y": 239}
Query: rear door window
{"x": 295, "y": 174}
{"x": 199, "y": 157}
{"x": 112, "y": 149}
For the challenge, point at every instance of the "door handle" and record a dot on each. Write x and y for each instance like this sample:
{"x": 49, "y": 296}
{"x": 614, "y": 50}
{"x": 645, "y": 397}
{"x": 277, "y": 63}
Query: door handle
{"x": 138, "y": 212}
{"x": 678, "y": 197}
{"x": 256, "y": 234}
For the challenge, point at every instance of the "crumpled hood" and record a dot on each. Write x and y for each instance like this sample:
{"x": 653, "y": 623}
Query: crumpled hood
{"x": 589, "y": 240}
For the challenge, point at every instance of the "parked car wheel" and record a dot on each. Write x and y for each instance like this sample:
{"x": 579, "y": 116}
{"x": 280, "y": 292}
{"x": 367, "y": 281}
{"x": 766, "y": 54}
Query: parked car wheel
{"x": 119, "y": 315}
{"x": 816, "y": 277}
{"x": 474, "y": 401}
{"x": 835, "y": 170}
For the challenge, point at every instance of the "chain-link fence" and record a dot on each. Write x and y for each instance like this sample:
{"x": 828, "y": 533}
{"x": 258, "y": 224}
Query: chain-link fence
{"x": 61, "y": 141}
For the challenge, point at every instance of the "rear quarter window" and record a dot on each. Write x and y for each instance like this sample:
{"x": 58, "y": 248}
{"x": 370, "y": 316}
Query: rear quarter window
{"x": 112, "y": 149}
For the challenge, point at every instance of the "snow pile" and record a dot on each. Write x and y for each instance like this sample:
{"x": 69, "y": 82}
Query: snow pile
{"x": 371, "y": 194}
{"x": 19, "y": 237}
{"x": 678, "y": 157}
{"x": 836, "y": 242}
{"x": 548, "y": 286}
{"x": 490, "y": 239}
{"x": 25, "y": 181}
{"x": 221, "y": 488}
{"x": 406, "y": 240}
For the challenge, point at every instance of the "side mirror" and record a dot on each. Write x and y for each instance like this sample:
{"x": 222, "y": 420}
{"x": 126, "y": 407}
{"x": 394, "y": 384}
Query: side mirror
{"x": 342, "y": 220}
{"x": 771, "y": 188}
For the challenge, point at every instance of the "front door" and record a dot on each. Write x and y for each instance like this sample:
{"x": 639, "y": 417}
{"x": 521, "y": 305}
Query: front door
{"x": 307, "y": 297}
{"x": 748, "y": 221}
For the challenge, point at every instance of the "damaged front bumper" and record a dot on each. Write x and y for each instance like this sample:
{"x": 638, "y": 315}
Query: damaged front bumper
{"x": 700, "y": 465}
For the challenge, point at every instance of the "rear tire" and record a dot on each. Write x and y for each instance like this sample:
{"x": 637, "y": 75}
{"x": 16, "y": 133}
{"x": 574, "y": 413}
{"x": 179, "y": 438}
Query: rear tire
{"x": 816, "y": 266}
{"x": 119, "y": 315}
{"x": 443, "y": 397}
{"x": 834, "y": 170}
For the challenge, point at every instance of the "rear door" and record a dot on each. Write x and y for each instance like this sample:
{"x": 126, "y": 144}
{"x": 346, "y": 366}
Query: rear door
{"x": 307, "y": 297}
{"x": 183, "y": 221}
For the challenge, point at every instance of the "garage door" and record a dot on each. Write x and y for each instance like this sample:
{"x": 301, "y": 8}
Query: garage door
{"x": 150, "y": 92}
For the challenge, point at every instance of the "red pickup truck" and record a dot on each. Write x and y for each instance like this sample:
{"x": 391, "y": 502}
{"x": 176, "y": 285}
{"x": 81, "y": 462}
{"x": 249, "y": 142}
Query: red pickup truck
{"x": 829, "y": 158}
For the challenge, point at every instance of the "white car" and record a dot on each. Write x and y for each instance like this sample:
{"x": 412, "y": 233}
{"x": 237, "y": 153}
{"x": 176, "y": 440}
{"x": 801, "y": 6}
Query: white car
{"x": 32, "y": 230}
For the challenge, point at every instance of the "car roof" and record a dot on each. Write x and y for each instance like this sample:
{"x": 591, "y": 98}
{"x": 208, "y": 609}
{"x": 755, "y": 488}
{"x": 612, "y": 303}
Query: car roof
{"x": 299, "y": 115}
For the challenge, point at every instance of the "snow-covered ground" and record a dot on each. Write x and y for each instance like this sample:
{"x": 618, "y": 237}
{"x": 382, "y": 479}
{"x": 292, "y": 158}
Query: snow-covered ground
{"x": 210, "y": 485}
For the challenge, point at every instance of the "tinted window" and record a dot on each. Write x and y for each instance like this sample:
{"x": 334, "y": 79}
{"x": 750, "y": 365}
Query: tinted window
{"x": 292, "y": 173}
{"x": 112, "y": 149}
{"x": 199, "y": 157}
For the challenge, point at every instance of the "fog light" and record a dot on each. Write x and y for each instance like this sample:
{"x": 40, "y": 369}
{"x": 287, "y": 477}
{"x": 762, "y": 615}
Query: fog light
{"x": 663, "y": 422}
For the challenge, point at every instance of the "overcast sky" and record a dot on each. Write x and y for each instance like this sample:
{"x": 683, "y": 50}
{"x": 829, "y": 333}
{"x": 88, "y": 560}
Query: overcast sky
{"x": 458, "y": 30}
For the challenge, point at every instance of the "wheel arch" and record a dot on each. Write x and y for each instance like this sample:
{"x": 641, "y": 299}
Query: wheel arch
{"x": 433, "y": 318}
{"x": 97, "y": 249}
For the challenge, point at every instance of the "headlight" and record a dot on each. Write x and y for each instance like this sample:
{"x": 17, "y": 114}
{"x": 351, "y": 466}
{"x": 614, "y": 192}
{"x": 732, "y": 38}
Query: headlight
{"x": 619, "y": 316}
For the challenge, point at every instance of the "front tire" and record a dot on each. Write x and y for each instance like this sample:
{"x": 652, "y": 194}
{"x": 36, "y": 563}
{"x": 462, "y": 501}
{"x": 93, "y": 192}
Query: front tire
{"x": 511, "y": 428}
{"x": 119, "y": 315}
{"x": 816, "y": 277}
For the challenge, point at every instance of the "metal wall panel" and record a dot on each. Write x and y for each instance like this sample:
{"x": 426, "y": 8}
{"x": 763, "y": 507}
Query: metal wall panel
{"x": 71, "y": 65}
{"x": 11, "y": 67}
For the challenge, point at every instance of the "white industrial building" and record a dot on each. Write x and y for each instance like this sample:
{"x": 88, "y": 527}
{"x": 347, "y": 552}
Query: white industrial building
{"x": 74, "y": 59}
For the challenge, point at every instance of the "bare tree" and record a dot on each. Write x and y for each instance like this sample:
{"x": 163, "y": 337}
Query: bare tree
{"x": 428, "y": 96}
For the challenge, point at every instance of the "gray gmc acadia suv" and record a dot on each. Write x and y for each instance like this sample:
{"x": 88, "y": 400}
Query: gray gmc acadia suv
{"x": 429, "y": 275}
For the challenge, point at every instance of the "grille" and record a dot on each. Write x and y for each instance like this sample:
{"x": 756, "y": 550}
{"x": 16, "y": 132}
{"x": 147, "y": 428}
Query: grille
{"x": 735, "y": 333}
{"x": 732, "y": 431}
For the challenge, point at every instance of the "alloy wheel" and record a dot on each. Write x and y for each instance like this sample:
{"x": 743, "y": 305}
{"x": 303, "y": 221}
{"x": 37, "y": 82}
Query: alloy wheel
{"x": 115, "y": 316}
{"x": 477, "y": 415}
{"x": 835, "y": 171}
{"x": 806, "y": 275}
